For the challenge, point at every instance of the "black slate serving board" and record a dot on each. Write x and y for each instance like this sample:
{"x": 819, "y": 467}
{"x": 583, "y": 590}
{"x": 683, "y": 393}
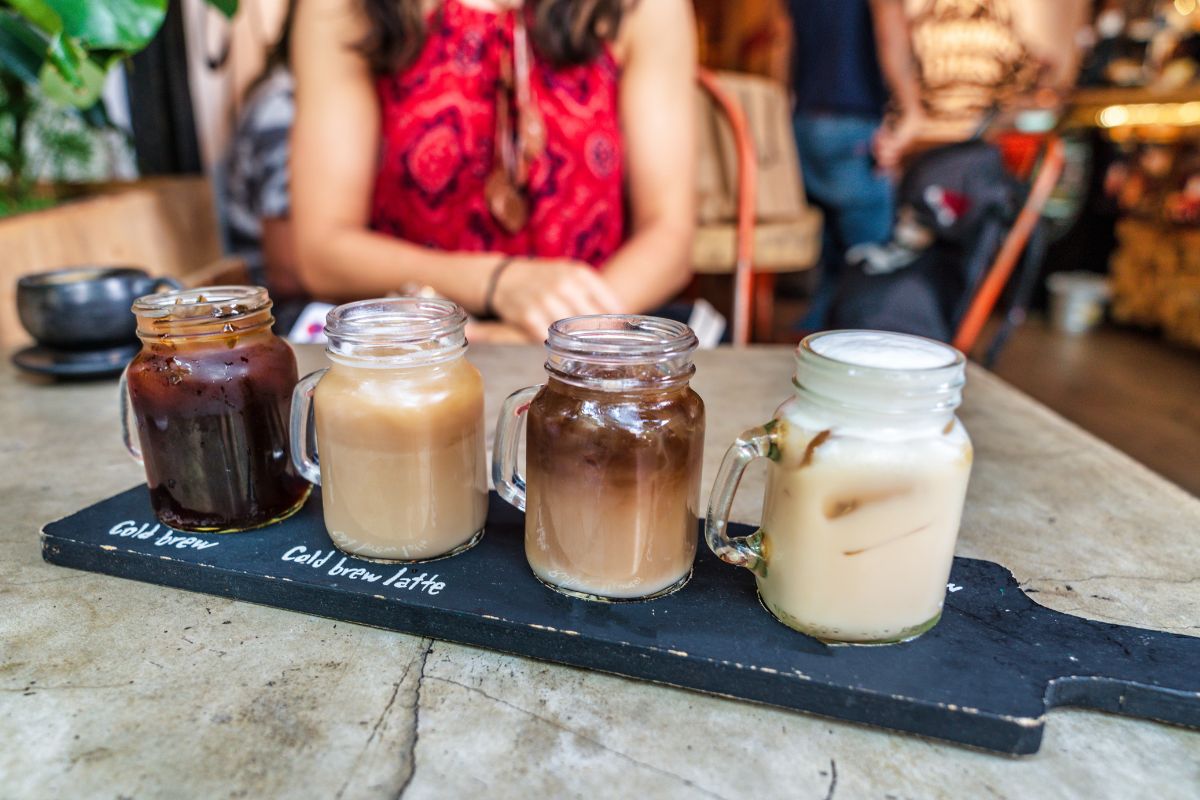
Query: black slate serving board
{"x": 984, "y": 677}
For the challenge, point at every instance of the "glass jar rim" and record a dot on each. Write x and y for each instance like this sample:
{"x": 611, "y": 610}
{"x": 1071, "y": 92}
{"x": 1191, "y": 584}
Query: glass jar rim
{"x": 809, "y": 344}
{"x": 396, "y": 328}
{"x": 202, "y": 313}
{"x": 221, "y": 302}
{"x": 394, "y": 319}
{"x": 621, "y": 338}
{"x": 879, "y": 382}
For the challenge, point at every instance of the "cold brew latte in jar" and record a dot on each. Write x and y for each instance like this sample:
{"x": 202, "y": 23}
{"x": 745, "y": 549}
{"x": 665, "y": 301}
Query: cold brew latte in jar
{"x": 614, "y": 448}
{"x": 866, "y": 482}
{"x": 399, "y": 451}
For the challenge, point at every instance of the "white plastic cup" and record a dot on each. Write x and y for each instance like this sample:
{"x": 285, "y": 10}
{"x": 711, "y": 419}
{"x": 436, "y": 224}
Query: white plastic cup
{"x": 1077, "y": 300}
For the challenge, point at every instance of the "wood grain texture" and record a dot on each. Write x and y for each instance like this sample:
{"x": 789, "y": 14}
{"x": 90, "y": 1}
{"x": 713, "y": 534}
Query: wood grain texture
{"x": 1127, "y": 387}
{"x": 167, "y": 226}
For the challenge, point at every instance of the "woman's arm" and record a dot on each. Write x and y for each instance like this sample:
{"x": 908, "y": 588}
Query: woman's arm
{"x": 335, "y": 145}
{"x": 658, "y": 89}
{"x": 279, "y": 257}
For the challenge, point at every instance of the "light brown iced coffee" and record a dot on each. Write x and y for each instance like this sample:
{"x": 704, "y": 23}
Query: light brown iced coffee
{"x": 860, "y": 533}
{"x": 399, "y": 431}
{"x": 402, "y": 460}
{"x": 867, "y": 477}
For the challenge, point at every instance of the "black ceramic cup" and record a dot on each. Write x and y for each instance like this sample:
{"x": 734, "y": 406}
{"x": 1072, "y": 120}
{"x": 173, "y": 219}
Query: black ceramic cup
{"x": 84, "y": 308}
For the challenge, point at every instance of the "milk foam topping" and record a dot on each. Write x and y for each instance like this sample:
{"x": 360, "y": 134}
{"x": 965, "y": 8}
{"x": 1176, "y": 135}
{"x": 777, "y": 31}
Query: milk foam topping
{"x": 881, "y": 350}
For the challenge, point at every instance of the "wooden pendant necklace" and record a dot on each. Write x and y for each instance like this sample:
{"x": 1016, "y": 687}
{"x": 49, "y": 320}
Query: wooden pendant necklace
{"x": 517, "y": 145}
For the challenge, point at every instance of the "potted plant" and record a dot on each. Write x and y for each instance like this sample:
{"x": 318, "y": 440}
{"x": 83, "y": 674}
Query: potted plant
{"x": 59, "y": 52}
{"x": 54, "y": 57}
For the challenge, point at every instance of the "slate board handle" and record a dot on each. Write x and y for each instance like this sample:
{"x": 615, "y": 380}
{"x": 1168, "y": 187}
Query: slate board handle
{"x": 1129, "y": 671}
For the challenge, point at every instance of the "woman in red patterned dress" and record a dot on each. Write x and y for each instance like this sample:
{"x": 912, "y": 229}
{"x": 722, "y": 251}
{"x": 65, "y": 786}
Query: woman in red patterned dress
{"x": 530, "y": 160}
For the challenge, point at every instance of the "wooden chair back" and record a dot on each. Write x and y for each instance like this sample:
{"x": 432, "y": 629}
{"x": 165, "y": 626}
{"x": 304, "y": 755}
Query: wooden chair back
{"x": 166, "y": 226}
{"x": 753, "y": 216}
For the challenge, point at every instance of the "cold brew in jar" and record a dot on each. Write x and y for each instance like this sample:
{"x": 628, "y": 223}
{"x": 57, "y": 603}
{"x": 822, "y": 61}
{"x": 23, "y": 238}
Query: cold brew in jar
{"x": 614, "y": 449}
{"x": 209, "y": 398}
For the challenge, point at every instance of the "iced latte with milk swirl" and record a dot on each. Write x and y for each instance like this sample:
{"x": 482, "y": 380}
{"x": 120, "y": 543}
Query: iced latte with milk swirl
{"x": 614, "y": 445}
{"x": 613, "y": 489}
{"x": 866, "y": 482}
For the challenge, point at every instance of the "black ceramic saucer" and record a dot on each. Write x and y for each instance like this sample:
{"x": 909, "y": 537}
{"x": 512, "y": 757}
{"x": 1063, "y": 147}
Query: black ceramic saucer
{"x": 101, "y": 363}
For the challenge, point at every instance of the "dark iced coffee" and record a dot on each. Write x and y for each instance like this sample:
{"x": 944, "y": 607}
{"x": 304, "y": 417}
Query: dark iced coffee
{"x": 210, "y": 395}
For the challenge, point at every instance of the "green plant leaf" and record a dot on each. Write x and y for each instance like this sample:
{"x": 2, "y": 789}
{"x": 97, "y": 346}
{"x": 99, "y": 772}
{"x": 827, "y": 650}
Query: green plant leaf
{"x": 18, "y": 203}
{"x": 82, "y": 95}
{"x": 62, "y": 53}
{"x": 40, "y": 14}
{"x": 22, "y": 49}
{"x": 126, "y": 25}
{"x": 96, "y": 116}
{"x": 66, "y": 56}
{"x": 226, "y": 7}
{"x": 65, "y": 145}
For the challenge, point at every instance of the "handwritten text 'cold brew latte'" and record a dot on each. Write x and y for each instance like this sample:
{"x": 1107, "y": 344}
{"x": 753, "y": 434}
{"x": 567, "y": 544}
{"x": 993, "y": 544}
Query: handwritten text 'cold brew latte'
{"x": 402, "y": 579}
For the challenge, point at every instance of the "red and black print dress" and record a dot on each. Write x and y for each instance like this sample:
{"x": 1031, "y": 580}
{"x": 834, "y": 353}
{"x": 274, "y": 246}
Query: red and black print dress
{"x": 437, "y": 147}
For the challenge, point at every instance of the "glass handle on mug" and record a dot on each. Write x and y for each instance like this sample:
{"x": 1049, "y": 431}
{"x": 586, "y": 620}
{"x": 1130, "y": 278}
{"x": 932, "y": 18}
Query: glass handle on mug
{"x": 744, "y": 551}
{"x": 129, "y": 434}
{"x": 510, "y": 429}
{"x": 301, "y": 430}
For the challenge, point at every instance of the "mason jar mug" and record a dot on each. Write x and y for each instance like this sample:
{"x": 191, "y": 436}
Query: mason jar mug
{"x": 867, "y": 475}
{"x": 614, "y": 447}
{"x": 205, "y": 409}
{"x": 399, "y": 449}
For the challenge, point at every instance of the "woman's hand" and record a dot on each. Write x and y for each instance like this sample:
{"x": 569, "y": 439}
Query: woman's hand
{"x": 532, "y": 294}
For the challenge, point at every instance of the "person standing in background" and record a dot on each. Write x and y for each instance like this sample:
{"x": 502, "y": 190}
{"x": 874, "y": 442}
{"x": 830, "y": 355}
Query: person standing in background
{"x": 848, "y": 54}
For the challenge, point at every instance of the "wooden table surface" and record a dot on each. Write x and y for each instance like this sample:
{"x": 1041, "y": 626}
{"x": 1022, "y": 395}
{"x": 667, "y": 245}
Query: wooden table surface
{"x": 113, "y": 688}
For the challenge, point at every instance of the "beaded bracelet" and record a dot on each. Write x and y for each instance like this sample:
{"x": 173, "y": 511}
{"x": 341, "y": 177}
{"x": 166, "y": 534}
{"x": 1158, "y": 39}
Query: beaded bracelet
{"x": 494, "y": 281}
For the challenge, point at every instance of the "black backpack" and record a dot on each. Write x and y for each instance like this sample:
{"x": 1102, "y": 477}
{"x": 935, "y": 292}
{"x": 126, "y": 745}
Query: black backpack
{"x": 954, "y": 206}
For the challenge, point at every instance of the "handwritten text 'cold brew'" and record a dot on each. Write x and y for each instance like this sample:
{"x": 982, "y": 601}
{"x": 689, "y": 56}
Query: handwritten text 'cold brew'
{"x": 131, "y": 530}
{"x": 424, "y": 582}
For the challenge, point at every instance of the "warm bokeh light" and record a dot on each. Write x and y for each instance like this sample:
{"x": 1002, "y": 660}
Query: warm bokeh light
{"x": 1168, "y": 114}
{"x": 1113, "y": 117}
{"x": 1185, "y": 7}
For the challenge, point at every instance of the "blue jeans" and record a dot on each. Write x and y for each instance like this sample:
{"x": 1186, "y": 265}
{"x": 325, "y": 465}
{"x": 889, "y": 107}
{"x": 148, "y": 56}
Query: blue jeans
{"x": 840, "y": 178}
